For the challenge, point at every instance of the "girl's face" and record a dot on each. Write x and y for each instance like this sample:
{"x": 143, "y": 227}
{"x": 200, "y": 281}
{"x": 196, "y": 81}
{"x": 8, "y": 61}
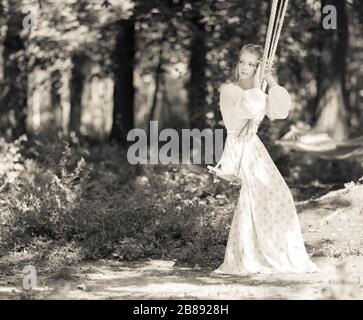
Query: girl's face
{"x": 247, "y": 65}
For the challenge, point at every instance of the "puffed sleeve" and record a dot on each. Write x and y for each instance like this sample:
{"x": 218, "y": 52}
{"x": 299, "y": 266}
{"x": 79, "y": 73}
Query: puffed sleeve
{"x": 278, "y": 103}
{"x": 229, "y": 95}
{"x": 248, "y": 104}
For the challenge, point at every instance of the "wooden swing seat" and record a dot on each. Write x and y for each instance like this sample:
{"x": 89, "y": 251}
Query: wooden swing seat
{"x": 221, "y": 174}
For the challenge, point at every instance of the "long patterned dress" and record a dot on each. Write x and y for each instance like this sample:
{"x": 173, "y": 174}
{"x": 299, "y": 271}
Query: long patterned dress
{"x": 265, "y": 235}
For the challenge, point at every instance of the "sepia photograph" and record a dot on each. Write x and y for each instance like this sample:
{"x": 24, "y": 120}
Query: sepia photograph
{"x": 181, "y": 150}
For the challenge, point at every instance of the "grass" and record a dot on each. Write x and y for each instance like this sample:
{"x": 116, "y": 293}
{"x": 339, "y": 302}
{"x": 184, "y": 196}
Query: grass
{"x": 65, "y": 202}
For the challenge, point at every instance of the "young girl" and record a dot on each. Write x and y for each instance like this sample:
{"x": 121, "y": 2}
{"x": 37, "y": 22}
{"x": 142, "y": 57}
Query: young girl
{"x": 265, "y": 234}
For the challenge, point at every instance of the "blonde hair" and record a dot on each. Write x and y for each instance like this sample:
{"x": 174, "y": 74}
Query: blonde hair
{"x": 252, "y": 48}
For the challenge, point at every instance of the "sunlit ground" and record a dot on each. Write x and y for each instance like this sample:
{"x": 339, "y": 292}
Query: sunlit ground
{"x": 340, "y": 276}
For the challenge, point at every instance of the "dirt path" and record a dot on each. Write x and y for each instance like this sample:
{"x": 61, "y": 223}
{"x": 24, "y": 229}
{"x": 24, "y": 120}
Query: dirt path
{"x": 332, "y": 226}
{"x": 157, "y": 279}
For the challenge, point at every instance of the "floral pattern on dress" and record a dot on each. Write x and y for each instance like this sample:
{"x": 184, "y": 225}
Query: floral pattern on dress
{"x": 265, "y": 234}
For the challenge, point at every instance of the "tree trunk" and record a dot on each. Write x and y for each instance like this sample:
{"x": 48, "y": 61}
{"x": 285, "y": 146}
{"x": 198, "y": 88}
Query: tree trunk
{"x": 57, "y": 116}
{"x": 14, "y": 96}
{"x": 123, "y": 95}
{"x": 197, "y": 84}
{"x": 158, "y": 78}
{"x": 76, "y": 86}
{"x": 332, "y": 100}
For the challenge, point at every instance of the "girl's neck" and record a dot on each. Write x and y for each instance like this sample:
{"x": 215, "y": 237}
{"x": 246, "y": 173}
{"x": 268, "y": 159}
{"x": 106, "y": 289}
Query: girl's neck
{"x": 245, "y": 84}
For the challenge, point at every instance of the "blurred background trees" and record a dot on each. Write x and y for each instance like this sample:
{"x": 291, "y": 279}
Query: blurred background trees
{"x": 99, "y": 68}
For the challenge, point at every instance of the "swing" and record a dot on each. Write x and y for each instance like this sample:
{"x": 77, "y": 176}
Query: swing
{"x": 276, "y": 20}
{"x": 231, "y": 178}
{"x": 321, "y": 144}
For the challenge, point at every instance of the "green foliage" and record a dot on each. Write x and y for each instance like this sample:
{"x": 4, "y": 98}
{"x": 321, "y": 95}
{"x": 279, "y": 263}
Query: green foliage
{"x": 69, "y": 202}
{"x": 41, "y": 199}
{"x": 89, "y": 27}
{"x": 62, "y": 259}
{"x": 10, "y": 161}
{"x": 330, "y": 248}
{"x": 95, "y": 202}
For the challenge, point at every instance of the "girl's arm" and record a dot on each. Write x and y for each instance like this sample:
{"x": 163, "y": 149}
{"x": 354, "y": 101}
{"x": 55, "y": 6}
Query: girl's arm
{"x": 278, "y": 102}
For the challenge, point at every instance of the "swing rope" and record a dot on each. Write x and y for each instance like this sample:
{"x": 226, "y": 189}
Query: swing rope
{"x": 277, "y": 27}
{"x": 270, "y": 28}
{"x": 281, "y": 22}
{"x": 278, "y": 9}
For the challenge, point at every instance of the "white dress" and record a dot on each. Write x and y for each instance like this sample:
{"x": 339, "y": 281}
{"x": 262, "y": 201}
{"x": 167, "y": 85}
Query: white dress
{"x": 265, "y": 235}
